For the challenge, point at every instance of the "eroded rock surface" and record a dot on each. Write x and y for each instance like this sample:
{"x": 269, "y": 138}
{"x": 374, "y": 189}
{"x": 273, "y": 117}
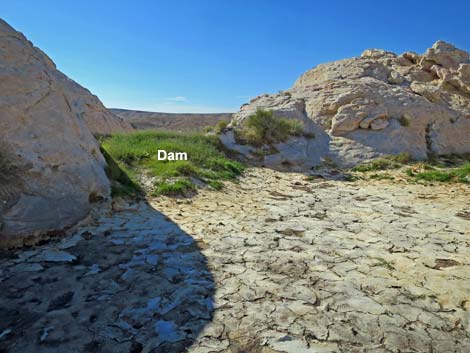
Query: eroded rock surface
{"x": 378, "y": 103}
{"x": 54, "y": 165}
{"x": 276, "y": 264}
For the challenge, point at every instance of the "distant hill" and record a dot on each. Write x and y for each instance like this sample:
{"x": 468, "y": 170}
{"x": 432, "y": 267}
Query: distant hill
{"x": 170, "y": 121}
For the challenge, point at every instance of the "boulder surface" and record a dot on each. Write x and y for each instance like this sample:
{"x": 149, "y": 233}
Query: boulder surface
{"x": 377, "y": 104}
{"x": 51, "y": 168}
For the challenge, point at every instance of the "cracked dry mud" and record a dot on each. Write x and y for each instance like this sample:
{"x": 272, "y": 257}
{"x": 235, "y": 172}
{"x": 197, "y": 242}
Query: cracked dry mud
{"x": 274, "y": 264}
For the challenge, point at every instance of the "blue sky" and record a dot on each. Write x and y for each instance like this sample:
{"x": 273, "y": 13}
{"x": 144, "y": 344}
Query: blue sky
{"x": 212, "y": 56}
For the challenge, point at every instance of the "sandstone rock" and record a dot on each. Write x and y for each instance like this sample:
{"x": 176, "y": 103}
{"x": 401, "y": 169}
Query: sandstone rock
{"x": 354, "y": 106}
{"x": 56, "y": 167}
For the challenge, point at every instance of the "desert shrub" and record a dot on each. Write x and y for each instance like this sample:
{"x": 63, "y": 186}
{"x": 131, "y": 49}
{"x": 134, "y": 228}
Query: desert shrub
{"x": 220, "y": 126}
{"x": 404, "y": 121}
{"x": 403, "y": 158}
{"x": 264, "y": 128}
{"x": 350, "y": 177}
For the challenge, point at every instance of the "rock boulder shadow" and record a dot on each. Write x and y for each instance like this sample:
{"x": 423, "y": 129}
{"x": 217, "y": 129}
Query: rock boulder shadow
{"x": 134, "y": 282}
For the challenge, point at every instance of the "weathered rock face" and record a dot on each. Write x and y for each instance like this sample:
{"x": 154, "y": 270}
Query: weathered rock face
{"x": 378, "y": 103}
{"x": 52, "y": 167}
{"x": 100, "y": 121}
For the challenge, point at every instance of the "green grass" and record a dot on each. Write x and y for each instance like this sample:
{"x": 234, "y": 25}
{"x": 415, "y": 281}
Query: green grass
{"x": 137, "y": 152}
{"x": 404, "y": 121}
{"x": 121, "y": 177}
{"x": 377, "y": 164}
{"x": 179, "y": 187}
{"x": 8, "y": 169}
{"x": 439, "y": 169}
{"x": 351, "y": 178}
{"x": 389, "y": 162}
{"x": 220, "y": 126}
{"x": 433, "y": 174}
{"x": 263, "y": 128}
{"x": 383, "y": 263}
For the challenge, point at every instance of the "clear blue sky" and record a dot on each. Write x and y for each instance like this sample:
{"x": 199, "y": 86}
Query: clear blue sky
{"x": 212, "y": 56}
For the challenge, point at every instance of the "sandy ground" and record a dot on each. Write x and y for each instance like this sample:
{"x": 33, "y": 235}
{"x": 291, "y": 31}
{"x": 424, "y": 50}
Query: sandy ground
{"x": 276, "y": 263}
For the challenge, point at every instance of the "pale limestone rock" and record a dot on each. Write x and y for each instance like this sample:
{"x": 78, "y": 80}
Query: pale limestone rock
{"x": 376, "y": 53}
{"x": 45, "y": 123}
{"x": 446, "y": 55}
{"x": 354, "y": 107}
{"x": 379, "y": 123}
{"x": 395, "y": 78}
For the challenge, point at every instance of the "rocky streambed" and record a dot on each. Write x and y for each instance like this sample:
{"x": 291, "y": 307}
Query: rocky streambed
{"x": 276, "y": 263}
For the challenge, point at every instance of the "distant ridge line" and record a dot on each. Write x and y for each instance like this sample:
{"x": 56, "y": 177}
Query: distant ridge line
{"x": 145, "y": 120}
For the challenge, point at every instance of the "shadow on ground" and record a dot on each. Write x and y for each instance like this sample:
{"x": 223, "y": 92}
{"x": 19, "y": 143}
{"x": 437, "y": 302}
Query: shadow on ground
{"x": 134, "y": 282}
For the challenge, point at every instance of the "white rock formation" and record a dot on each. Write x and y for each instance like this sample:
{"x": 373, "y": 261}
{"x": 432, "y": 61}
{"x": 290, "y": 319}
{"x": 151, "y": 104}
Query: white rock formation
{"x": 378, "y": 103}
{"x": 52, "y": 168}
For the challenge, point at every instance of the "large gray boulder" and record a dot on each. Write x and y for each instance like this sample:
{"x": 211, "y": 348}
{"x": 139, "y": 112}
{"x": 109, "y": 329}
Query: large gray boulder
{"x": 378, "y": 103}
{"x": 51, "y": 168}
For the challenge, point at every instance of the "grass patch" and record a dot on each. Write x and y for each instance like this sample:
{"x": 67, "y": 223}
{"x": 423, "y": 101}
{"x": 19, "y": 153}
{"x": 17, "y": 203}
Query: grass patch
{"x": 377, "y": 164}
{"x": 404, "y": 121}
{"x": 120, "y": 176}
{"x": 443, "y": 169}
{"x": 217, "y": 128}
{"x": 178, "y": 187}
{"x": 389, "y": 162}
{"x": 383, "y": 263}
{"x": 402, "y": 158}
{"x": 263, "y": 128}
{"x": 381, "y": 177}
{"x": 135, "y": 153}
{"x": 433, "y": 174}
{"x": 220, "y": 126}
{"x": 350, "y": 177}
